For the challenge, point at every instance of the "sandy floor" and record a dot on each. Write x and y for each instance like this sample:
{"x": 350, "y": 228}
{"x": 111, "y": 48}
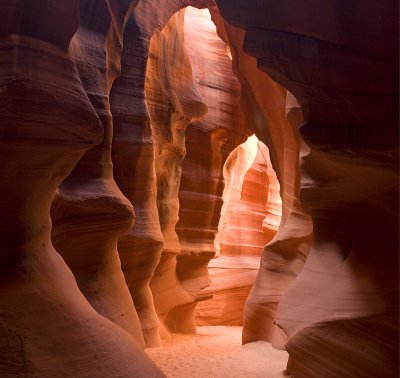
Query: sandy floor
{"x": 216, "y": 352}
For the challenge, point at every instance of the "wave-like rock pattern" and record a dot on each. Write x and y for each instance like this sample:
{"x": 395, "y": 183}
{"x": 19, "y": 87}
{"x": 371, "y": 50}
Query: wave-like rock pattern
{"x": 265, "y": 107}
{"x": 133, "y": 157}
{"x": 340, "y": 60}
{"x": 208, "y": 144}
{"x": 328, "y": 69}
{"x": 250, "y": 218}
{"x": 174, "y": 102}
{"x": 89, "y": 212}
{"x": 47, "y": 124}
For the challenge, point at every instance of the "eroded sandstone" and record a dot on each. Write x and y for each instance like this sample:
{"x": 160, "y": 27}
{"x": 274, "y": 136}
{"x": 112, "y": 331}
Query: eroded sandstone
{"x": 316, "y": 82}
{"x": 250, "y": 217}
{"x": 47, "y": 125}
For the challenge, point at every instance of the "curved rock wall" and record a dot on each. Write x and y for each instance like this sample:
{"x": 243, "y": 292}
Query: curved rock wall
{"x": 174, "y": 102}
{"x": 133, "y": 157}
{"x": 264, "y": 103}
{"x": 250, "y": 217}
{"x": 330, "y": 67}
{"x": 340, "y": 60}
{"x": 89, "y": 212}
{"x": 208, "y": 144}
{"x": 254, "y": 219}
{"x": 48, "y": 123}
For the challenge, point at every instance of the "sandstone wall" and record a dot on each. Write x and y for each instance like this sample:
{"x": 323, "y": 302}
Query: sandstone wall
{"x": 133, "y": 157}
{"x": 208, "y": 144}
{"x": 48, "y": 123}
{"x": 250, "y": 217}
{"x": 265, "y": 106}
{"x": 76, "y": 113}
{"x": 89, "y": 212}
{"x": 340, "y": 60}
{"x": 174, "y": 102}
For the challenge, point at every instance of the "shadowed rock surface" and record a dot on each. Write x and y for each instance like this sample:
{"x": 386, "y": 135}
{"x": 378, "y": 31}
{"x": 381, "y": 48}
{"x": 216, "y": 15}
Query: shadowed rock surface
{"x": 157, "y": 97}
{"x": 47, "y": 124}
{"x": 340, "y": 60}
{"x": 249, "y": 220}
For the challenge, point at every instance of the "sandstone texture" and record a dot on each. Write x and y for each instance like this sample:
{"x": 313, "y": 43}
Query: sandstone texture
{"x": 89, "y": 212}
{"x": 266, "y": 109}
{"x": 250, "y": 217}
{"x": 209, "y": 142}
{"x": 184, "y": 162}
{"x": 48, "y": 124}
{"x": 174, "y": 102}
{"x": 340, "y": 60}
{"x": 134, "y": 160}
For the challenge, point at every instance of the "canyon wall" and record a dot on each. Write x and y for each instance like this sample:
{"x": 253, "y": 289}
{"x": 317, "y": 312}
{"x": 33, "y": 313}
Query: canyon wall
{"x": 250, "y": 217}
{"x": 340, "y": 60}
{"x": 48, "y": 124}
{"x": 208, "y": 144}
{"x": 117, "y": 123}
{"x": 89, "y": 212}
{"x": 133, "y": 158}
{"x": 174, "y": 102}
{"x": 265, "y": 107}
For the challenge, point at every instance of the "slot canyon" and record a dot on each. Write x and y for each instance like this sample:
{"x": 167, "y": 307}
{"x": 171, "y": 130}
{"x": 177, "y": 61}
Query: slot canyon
{"x": 199, "y": 188}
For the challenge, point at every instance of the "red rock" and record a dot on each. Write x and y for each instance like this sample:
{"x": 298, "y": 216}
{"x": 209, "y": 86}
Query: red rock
{"x": 133, "y": 158}
{"x": 250, "y": 218}
{"x": 72, "y": 114}
{"x": 208, "y": 145}
{"x": 90, "y": 213}
{"x": 265, "y": 107}
{"x": 47, "y": 326}
{"x": 174, "y": 102}
{"x": 341, "y": 62}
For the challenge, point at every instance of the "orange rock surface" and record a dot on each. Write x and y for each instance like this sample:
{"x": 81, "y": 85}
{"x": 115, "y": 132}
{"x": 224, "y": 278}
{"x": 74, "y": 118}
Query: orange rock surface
{"x": 123, "y": 175}
{"x": 208, "y": 144}
{"x": 249, "y": 219}
{"x": 265, "y": 106}
{"x": 89, "y": 212}
{"x": 341, "y": 62}
{"x": 174, "y": 102}
{"x": 48, "y": 123}
{"x": 133, "y": 158}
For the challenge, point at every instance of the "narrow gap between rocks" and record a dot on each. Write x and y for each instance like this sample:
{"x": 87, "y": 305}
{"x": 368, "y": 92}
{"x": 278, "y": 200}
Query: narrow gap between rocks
{"x": 193, "y": 96}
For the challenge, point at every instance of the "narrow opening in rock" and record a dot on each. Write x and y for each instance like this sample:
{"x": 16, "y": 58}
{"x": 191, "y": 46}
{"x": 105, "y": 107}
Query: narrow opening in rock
{"x": 217, "y": 197}
{"x": 250, "y": 217}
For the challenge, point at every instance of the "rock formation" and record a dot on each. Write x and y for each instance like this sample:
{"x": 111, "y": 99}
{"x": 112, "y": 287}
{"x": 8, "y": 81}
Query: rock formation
{"x": 47, "y": 327}
{"x": 133, "y": 157}
{"x": 90, "y": 213}
{"x": 265, "y": 106}
{"x": 340, "y": 60}
{"x": 146, "y": 93}
{"x": 250, "y": 217}
{"x": 208, "y": 144}
{"x": 174, "y": 102}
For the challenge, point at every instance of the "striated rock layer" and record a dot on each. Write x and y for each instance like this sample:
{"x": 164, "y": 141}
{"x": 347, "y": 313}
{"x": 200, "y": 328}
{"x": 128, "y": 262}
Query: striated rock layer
{"x": 250, "y": 217}
{"x": 71, "y": 113}
{"x": 208, "y": 144}
{"x": 47, "y": 123}
{"x": 133, "y": 157}
{"x": 174, "y": 102}
{"x": 340, "y": 60}
{"x": 265, "y": 107}
{"x": 90, "y": 213}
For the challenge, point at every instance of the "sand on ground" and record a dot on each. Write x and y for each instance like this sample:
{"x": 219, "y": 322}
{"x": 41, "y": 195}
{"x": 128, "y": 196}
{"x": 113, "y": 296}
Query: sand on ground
{"x": 216, "y": 352}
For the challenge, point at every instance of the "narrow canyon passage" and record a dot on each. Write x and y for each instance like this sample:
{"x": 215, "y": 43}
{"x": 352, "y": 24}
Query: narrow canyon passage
{"x": 219, "y": 205}
{"x": 199, "y": 188}
{"x": 234, "y": 206}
